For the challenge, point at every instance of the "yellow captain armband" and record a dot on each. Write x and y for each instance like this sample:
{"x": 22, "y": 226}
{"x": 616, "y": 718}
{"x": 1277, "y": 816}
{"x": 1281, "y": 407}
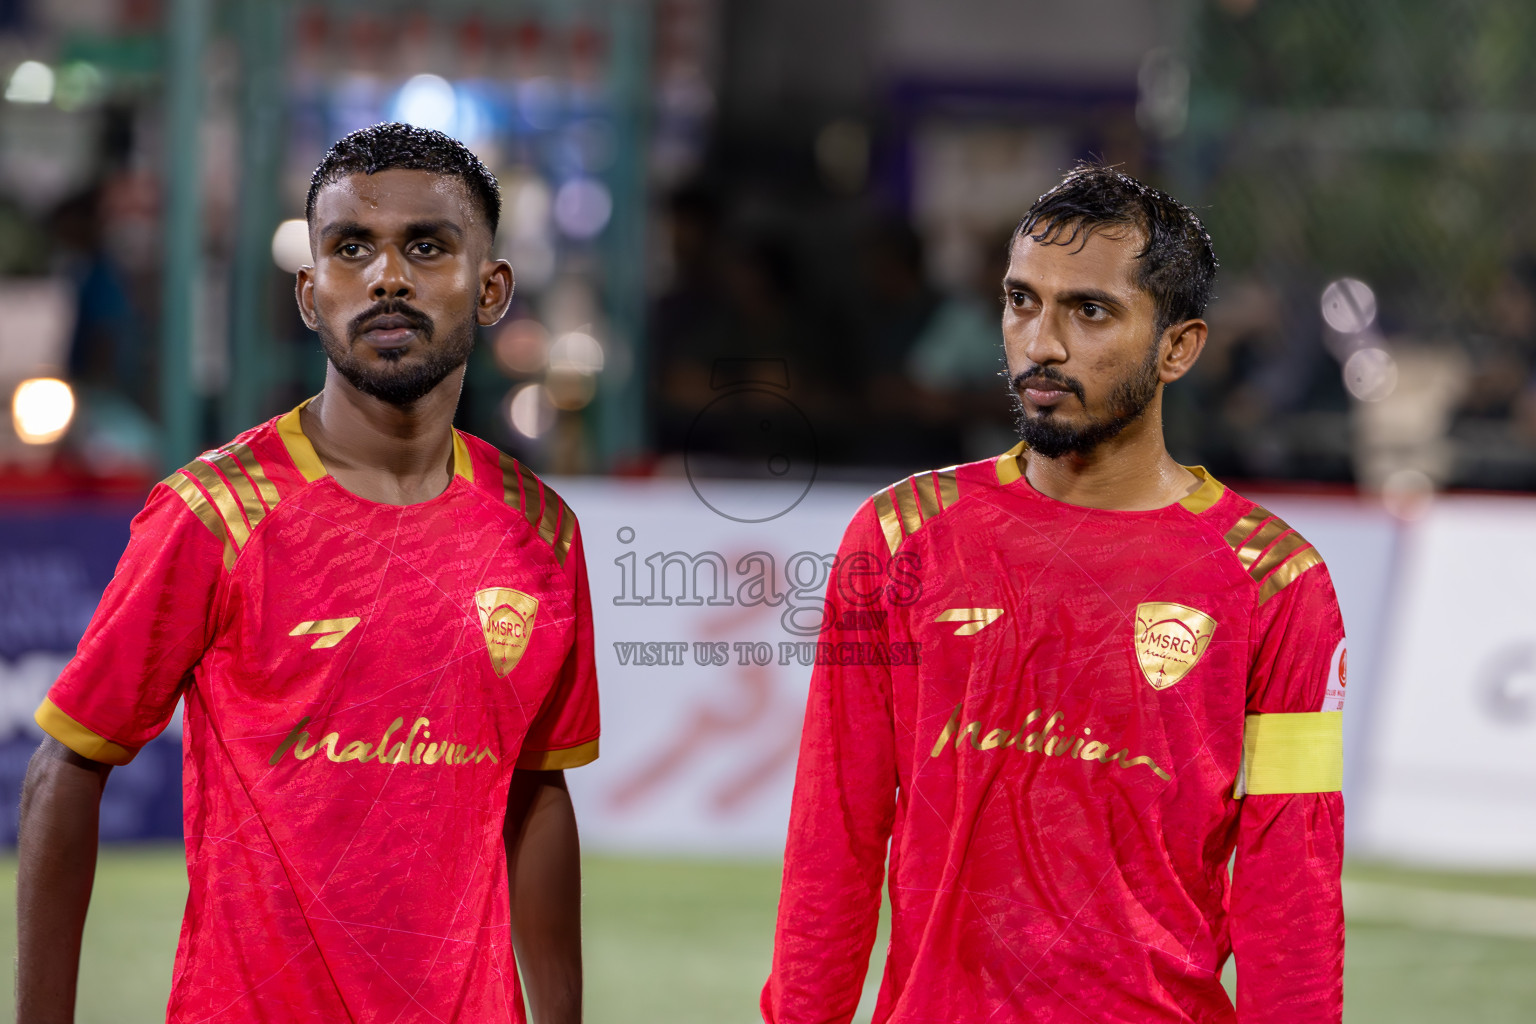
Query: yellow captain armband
{"x": 1292, "y": 753}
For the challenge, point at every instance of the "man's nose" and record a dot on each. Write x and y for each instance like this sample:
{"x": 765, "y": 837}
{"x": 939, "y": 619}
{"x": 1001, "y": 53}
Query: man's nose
{"x": 392, "y": 276}
{"x": 1043, "y": 341}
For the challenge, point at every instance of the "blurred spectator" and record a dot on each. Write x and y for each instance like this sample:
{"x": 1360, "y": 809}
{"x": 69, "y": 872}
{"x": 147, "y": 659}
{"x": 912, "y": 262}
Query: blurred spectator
{"x": 957, "y": 365}
{"x": 1493, "y": 427}
{"x": 736, "y": 302}
{"x": 108, "y": 351}
{"x": 896, "y": 305}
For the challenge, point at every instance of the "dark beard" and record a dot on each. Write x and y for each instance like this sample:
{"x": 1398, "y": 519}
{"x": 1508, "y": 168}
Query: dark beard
{"x": 1127, "y": 401}
{"x": 400, "y": 386}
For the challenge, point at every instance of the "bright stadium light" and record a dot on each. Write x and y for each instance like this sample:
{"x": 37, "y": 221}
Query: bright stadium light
{"x": 290, "y": 246}
{"x": 31, "y": 82}
{"x": 576, "y": 352}
{"x": 41, "y": 409}
{"x": 530, "y": 412}
{"x": 428, "y": 101}
{"x": 1349, "y": 306}
{"x": 582, "y": 207}
{"x": 78, "y": 85}
{"x": 522, "y": 347}
{"x": 1370, "y": 374}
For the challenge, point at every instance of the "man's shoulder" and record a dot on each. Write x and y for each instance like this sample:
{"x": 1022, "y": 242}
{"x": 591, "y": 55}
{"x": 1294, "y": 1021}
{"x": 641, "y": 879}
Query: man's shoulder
{"x": 1266, "y": 548}
{"x": 904, "y": 508}
{"x": 233, "y": 488}
{"x": 508, "y": 482}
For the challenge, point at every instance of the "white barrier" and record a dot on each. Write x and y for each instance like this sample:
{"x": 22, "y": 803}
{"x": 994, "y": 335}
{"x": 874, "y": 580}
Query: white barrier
{"x": 1452, "y": 774}
{"x": 703, "y": 685}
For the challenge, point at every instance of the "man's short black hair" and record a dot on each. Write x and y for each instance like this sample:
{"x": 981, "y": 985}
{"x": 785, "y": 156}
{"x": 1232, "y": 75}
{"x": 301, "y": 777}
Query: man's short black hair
{"x": 396, "y": 146}
{"x": 1176, "y": 265}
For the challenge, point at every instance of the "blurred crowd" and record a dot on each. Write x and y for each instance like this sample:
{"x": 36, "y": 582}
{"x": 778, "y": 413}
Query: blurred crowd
{"x": 820, "y": 226}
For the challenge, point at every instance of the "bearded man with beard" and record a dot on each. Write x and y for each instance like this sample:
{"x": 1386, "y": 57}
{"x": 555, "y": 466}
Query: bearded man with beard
{"x": 381, "y": 631}
{"x": 1126, "y": 674}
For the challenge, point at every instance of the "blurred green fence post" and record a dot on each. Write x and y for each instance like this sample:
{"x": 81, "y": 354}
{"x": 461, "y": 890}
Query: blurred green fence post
{"x": 262, "y": 28}
{"x": 621, "y": 400}
{"x": 186, "y": 26}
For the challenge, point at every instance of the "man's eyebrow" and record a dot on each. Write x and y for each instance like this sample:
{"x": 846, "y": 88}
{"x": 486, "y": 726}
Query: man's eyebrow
{"x": 439, "y": 228}
{"x": 345, "y": 229}
{"x": 1091, "y": 295}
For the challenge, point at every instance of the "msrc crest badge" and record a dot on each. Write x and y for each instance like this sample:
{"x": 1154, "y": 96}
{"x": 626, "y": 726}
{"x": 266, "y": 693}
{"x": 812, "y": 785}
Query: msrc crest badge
{"x": 506, "y": 617}
{"x": 1170, "y": 640}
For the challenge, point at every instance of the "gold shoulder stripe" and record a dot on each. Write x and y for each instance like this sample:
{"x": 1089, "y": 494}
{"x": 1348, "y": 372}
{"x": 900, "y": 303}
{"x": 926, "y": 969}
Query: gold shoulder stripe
{"x": 78, "y": 738}
{"x": 949, "y": 486}
{"x": 906, "y": 504}
{"x": 890, "y": 524}
{"x": 533, "y": 494}
{"x": 521, "y": 489}
{"x": 567, "y": 533}
{"x": 223, "y": 498}
{"x": 1010, "y": 464}
{"x": 299, "y": 449}
{"x": 258, "y": 475}
{"x": 201, "y": 507}
{"x": 1262, "y": 538}
{"x": 1282, "y": 549}
{"x": 1293, "y": 753}
{"x": 927, "y": 495}
{"x": 558, "y": 760}
{"x": 541, "y": 506}
{"x": 251, "y": 505}
{"x": 1244, "y": 527}
{"x": 551, "y": 516}
{"x": 1266, "y": 546}
{"x": 1288, "y": 573}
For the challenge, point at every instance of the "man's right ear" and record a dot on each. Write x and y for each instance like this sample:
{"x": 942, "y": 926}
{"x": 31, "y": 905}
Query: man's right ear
{"x": 304, "y": 295}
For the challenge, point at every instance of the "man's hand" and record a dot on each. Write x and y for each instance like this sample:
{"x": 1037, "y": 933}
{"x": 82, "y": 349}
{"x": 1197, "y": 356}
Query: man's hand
{"x": 60, "y": 814}
{"x": 544, "y": 878}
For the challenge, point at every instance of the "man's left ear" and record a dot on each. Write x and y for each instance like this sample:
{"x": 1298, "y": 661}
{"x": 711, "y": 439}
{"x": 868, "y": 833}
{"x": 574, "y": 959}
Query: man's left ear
{"x": 1182, "y": 345}
{"x": 495, "y": 292}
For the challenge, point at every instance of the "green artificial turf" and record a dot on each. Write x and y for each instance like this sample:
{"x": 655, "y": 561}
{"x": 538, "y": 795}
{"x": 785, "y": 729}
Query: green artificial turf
{"x": 683, "y": 942}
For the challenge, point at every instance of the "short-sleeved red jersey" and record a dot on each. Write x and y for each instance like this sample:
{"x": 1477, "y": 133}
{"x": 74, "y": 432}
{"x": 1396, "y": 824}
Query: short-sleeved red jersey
{"x": 360, "y": 681}
{"x": 1046, "y": 717}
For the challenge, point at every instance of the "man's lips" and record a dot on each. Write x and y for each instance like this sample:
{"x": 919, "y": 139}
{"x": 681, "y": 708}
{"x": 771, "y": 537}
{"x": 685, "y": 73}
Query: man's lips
{"x": 389, "y": 331}
{"x": 1043, "y": 392}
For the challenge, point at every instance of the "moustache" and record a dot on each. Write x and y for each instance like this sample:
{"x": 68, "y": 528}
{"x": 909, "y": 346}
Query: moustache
{"x": 393, "y": 307}
{"x": 1048, "y": 374}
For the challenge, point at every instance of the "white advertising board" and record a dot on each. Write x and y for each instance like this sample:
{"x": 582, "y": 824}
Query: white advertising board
{"x": 1451, "y": 777}
{"x": 699, "y": 620}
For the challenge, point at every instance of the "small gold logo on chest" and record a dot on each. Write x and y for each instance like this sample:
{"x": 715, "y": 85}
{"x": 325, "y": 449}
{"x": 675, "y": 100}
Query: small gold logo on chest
{"x": 327, "y": 632}
{"x": 506, "y": 618}
{"x": 1170, "y": 640}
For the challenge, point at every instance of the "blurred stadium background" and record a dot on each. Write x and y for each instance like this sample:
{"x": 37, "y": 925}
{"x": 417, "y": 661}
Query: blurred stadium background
{"x": 757, "y": 243}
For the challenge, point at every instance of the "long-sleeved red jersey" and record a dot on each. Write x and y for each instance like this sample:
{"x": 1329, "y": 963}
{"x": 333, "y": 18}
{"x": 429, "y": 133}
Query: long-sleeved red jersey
{"x": 1059, "y": 723}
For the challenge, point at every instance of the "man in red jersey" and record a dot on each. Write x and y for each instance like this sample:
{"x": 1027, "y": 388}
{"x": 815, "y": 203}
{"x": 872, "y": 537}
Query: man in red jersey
{"x": 381, "y": 631}
{"x": 1127, "y": 672}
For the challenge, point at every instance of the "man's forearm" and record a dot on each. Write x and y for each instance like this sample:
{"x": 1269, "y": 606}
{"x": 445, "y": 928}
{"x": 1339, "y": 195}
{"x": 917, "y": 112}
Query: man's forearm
{"x": 56, "y": 846}
{"x": 544, "y": 877}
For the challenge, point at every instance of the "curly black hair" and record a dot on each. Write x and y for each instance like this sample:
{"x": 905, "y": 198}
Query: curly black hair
{"x": 1176, "y": 265}
{"x": 392, "y": 145}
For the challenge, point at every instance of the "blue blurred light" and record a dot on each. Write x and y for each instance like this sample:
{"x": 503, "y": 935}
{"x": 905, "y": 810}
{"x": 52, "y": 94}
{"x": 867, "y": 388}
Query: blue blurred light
{"x": 428, "y": 101}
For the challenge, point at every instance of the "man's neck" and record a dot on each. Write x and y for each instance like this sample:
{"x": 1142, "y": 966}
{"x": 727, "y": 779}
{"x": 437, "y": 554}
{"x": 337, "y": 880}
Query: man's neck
{"x": 379, "y": 451}
{"x": 1130, "y": 472}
